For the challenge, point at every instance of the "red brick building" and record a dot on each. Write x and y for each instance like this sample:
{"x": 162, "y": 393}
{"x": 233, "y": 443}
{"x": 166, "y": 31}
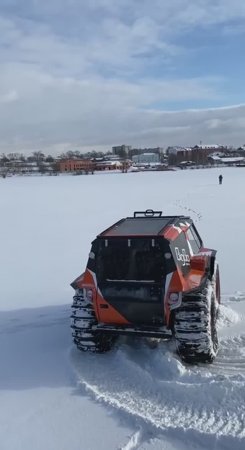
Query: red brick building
{"x": 75, "y": 165}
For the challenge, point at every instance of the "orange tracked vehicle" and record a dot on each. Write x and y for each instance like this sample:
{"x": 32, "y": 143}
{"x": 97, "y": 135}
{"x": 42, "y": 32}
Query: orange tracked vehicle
{"x": 149, "y": 275}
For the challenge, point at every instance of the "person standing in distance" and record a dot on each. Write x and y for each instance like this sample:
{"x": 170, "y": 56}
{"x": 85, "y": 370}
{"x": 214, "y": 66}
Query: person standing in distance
{"x": 220, "y": 179}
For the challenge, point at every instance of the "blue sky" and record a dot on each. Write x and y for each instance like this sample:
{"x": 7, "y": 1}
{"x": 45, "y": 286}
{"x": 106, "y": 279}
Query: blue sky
{"x": 78, "y": 74}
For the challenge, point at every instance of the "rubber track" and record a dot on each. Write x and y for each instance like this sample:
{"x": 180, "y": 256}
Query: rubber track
{"x": 192, "y": 328}
{"x": 82, "y": 319}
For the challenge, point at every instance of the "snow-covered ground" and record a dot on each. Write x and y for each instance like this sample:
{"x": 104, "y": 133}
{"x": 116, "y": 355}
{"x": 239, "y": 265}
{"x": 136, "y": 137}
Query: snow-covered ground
{"x": 54, "y": 398}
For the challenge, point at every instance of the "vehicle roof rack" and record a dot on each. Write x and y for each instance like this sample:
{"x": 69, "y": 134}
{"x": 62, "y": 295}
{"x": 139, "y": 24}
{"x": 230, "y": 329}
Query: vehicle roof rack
{"x": 148, "y": 213}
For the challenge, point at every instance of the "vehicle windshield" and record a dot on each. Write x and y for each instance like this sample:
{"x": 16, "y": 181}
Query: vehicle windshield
{"x": 131, "y": 260}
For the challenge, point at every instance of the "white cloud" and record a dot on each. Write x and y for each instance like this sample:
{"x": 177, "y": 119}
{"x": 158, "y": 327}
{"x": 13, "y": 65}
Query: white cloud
{"x": 64, "y": 113}
{"x": 90, "y": 111}
{"x": 120, "y": 37}
{"x": 9, "y": 97}
{"x": 75, "y": 73}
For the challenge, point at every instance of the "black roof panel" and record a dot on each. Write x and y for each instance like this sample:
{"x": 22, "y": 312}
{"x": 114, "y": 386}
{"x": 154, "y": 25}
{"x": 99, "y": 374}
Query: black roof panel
{"x": 139, "y": 226}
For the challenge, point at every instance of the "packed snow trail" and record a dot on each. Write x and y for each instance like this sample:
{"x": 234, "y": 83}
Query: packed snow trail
{"x": 155, "y": 386}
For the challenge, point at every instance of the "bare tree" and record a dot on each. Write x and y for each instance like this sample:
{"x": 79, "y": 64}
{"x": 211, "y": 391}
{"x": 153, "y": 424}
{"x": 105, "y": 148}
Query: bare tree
{"x": 38, "y": 156}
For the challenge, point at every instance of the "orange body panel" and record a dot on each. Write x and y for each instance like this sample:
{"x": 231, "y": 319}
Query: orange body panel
{"x": 108, "y": 314}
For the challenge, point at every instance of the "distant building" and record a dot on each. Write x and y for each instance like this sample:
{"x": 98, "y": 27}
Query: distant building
{"x": 199, "y": 154}
{"x": 75, "y": 165}
{"x": 213, "y": 147}
{"x": 140, "y": 151}
{"x": 178, "y": 154}
{"x": 108, "y": 165}
{"x": 148, "y": 150}
{"x": 230, "y": 161}
{"x": 121, "y": 150}
{"x": 146, "y": 158}
{"x": 177, "y": 149}
{"x": 210, "y": 148}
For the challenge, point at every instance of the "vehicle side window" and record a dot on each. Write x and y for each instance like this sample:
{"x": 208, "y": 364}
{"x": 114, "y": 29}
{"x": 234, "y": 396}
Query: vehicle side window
{"x": 194, "y": 240}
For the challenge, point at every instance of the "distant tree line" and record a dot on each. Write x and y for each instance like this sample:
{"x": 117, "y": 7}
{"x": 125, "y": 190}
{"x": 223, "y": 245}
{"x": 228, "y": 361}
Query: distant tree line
{"x": 39, "y": 157}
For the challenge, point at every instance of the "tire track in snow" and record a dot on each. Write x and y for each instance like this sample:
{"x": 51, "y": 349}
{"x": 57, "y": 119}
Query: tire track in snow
{"x": 188, "y": 210}
{"x": 230, "y": 360}
{"x": 179, "y": 404}
{"x": 154, "y": 386}
{"x": 135, "y": 441}
{"x": 231, "y": 356}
